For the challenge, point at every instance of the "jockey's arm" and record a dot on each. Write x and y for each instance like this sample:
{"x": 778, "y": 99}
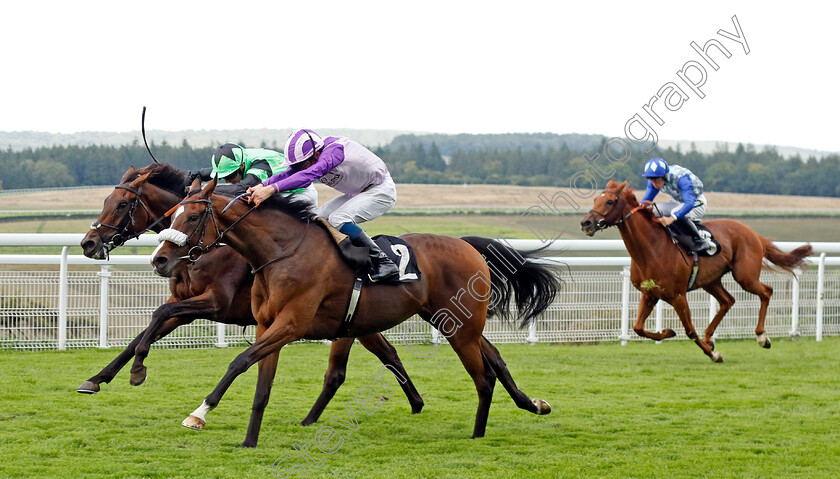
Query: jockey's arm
{"x": 259, "y": 171}
{"x": 650, "y": 192}
{"x": 688, "y": 197}
{"x": 330, "y": 157}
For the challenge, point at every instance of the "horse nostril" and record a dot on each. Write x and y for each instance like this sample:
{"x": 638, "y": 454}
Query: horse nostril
{"x": 159, "y": 261}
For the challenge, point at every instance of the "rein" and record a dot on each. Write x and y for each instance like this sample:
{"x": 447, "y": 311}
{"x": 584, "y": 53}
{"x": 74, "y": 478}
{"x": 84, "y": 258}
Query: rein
{"x": 196, "y": 251}
{"x": 602, "y": 223}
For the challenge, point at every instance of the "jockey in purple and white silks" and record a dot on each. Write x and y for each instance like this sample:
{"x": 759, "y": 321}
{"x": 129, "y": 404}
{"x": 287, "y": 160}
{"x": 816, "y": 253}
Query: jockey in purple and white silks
{"x": 689, "y": 205}
{"x": 343, "y": 164}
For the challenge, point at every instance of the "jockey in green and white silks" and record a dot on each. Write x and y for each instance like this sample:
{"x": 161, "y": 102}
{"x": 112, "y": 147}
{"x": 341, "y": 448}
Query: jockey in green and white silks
{"x": 685, "y": 187}
{"x": 249, "y": 167}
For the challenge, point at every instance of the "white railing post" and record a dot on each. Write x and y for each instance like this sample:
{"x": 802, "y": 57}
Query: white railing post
{"x": 794, "y": 306}
{"x": 820, "y": 296}
{"x": 62, "y": 300}
{"x": 220, "y": 335}
{"x": 104, "y": 274}
{"x": 712, "y": 311}
{"x": 658, "y": 319}
{"x": 625, "y": 306}
{"x": 532, "y": 332}
{"x": 435, "y": 335}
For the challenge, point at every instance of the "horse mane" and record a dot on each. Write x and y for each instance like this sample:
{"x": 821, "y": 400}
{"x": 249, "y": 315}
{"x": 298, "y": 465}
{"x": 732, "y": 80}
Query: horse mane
{"x": 629, "y": 196}
{"x": 164, "y": 176}
{"x": 299, "y": 209}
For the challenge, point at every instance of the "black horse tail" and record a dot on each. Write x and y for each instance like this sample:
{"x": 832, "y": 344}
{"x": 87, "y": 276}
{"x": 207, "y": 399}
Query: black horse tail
{"x": 515, "y": 274}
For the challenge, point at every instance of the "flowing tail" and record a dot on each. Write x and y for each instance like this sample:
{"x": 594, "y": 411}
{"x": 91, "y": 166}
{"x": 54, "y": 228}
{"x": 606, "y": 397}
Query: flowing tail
{"x": 514, "y": 274}
{"x": 786, "y": 261}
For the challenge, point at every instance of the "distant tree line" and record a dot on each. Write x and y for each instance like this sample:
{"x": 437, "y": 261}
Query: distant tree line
{"x": 526, "y": 159}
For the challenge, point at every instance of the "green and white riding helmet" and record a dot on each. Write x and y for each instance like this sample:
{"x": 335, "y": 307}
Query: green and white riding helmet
{"x": 226, "y": 160}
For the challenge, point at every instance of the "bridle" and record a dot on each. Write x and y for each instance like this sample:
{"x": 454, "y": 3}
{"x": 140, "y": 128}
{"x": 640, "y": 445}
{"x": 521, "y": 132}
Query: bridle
{"x": 613, "y": 216}
{"x": 122, "y": 234}
{"x": 196, "y": 251}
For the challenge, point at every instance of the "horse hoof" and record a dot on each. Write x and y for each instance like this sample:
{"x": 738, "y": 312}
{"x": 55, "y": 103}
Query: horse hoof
{"x": 193, "y": 422}
{"x": 88, "y": 387}
{"x": 247, "y": 443}
{"x": 763, "y": 341}
{"x": 543, "y": 407}
{"x": 717, "y": 357}
{"x": 138, "y": 378}
{"x": 669, "y": 333}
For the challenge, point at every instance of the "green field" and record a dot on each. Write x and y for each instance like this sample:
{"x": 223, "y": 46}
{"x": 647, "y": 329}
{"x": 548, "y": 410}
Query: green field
{"x": 643, "y": 410}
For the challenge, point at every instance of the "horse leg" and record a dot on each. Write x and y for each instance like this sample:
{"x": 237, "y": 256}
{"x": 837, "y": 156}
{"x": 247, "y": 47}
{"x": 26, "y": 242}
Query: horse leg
{"x": 645, "y": 307}
{"x": 494, "y": 359}
{"x": 267, "y": 368}
{"x": 91, "y": 386}
{"x": 333, "y": 379}
{"x": 469, "y": 352}
{"x": 289, "y": 325}
{"x": 725, "y": 300}
{"x": 747, "y": 275}
{"x": 199, "y": 306}
{"x": 680, "y": 305}
{"x": 378, "y": 345}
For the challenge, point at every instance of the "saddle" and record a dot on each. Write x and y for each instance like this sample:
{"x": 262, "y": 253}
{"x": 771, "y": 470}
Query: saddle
{"x": 686, "y": 238}
{"x": 357, "y": 257}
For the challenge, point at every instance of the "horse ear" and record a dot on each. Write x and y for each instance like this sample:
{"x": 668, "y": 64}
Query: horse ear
{"x": 621, "y": 185}
{"x": 208, "y": 189}
{"x": 611, "y": 183}
{"x": 140, "y": 180}
{"x": 127, "y": 174}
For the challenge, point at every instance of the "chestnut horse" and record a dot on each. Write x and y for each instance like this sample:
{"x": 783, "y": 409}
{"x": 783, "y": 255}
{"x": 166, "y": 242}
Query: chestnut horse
{"x": 658, "y": 269}
{"x": 217, "y": 288}
{"x": 302, "y": 289}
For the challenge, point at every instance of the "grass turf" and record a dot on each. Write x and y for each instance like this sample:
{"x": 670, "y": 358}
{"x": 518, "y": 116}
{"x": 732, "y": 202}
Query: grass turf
{"x": 642, "y": 410}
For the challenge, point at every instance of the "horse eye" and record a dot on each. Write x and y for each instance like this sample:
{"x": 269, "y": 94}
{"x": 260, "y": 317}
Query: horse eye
{"x": 192, "y": 218}
{"x": 122, "y": 204}
{"x": 610, "y": 202}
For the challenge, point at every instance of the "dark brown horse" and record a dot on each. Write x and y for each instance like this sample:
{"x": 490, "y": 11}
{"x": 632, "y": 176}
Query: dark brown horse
{"x": 302, "y": 289}
{"x": 659, "y": 271}
{"x": 217, "y": 288}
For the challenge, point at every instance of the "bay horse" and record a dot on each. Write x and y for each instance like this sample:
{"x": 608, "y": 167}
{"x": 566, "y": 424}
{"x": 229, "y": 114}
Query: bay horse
{"x": 217, "y": 288}
{"x": 302, "y": 289}
{"x": 658, "y": 269}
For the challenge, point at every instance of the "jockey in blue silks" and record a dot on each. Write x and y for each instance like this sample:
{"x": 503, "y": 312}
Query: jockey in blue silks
{"x": 689, "y": 203}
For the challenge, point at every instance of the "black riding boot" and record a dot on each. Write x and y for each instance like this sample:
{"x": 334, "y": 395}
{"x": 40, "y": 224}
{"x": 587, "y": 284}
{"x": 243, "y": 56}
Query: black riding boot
{"x": 701, "y": 243}
{"x": 382, "y": 265}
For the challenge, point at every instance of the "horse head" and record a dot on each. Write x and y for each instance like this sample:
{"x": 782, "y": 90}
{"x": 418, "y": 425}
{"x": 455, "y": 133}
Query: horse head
{"x": 124, "y": 215}
{"x": 607, "y": 209}
{"x": 187, "y": 238}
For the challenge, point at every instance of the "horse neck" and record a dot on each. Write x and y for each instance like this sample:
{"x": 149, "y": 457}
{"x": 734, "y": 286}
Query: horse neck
{"x": 262, "y": 236}
{"x": 159, "y": 201}
{"x": 643, "y": 238}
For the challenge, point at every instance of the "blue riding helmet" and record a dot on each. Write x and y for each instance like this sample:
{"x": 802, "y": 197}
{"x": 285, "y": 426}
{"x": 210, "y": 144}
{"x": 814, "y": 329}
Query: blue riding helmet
{"x": 655, "y": 168}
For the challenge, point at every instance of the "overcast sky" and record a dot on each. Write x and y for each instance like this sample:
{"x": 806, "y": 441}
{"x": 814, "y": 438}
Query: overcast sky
{"x": 450, "y": 67}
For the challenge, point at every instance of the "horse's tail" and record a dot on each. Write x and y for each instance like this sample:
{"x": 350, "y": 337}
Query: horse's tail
{"x": 515, "y": 274}
{"x": 786, "y": 261}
